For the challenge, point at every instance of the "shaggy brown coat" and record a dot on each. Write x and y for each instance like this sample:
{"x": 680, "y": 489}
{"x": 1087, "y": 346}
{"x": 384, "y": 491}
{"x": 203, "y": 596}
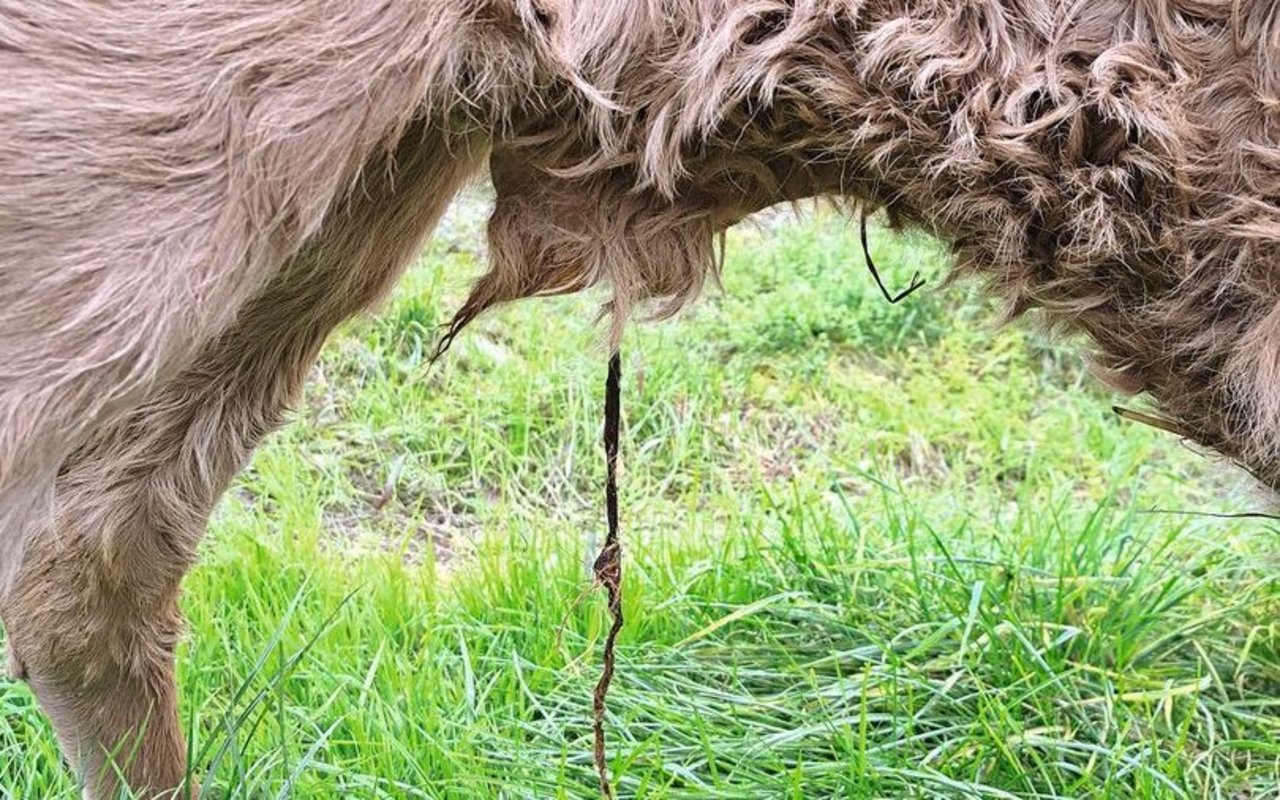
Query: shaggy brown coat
{"x": 193, "y": 194}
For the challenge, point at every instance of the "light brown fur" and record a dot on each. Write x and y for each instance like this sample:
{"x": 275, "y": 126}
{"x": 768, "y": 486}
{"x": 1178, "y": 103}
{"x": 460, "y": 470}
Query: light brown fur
{"x": 193, "y": 194}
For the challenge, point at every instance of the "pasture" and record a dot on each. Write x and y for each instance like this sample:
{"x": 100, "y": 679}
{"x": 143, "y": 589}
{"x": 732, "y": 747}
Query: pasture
{"x": 871, "y": 551}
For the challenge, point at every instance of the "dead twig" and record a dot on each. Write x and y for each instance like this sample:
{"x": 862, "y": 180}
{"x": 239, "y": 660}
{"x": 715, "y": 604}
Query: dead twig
{"x": 916, "y": 280}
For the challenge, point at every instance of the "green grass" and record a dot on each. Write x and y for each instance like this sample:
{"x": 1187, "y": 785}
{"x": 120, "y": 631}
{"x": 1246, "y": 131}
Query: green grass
{"x": 872, "y": 551}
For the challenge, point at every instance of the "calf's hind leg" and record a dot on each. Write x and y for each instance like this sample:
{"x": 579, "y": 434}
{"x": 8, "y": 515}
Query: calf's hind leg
{"x": 93, "y": 616}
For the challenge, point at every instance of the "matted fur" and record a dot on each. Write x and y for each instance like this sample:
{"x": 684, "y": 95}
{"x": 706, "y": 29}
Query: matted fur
{"x": 193, "y": 194}
{"x": 1113, "y": 164}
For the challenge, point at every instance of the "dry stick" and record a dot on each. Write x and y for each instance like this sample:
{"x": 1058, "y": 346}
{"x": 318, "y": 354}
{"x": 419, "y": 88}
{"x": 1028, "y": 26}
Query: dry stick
{"x": 1212, "y": 514}
{"x": 1151, "y": 420}
{"x": 1174, "y": 428}
{"x": 916, "y": 280}
{"x": 608, "y": 566}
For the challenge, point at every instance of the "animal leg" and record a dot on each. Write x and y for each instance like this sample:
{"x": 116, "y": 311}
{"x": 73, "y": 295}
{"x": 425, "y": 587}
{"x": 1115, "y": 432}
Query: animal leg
{"x": 93, "y": 615}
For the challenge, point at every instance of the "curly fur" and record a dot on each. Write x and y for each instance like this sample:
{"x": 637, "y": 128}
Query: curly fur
{"x": 1113, "y": 165}
{"x": 193, "y": 194}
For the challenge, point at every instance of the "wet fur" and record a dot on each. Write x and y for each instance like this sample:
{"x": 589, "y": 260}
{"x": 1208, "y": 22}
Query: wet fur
{"x": 192, "y": 195}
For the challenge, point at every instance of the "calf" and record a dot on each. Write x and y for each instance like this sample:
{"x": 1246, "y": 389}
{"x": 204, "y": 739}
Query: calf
{"x": 192, "y": 195}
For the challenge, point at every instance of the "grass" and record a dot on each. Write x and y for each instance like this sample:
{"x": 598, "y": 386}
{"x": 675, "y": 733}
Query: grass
{"x": 872, "y": 551}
